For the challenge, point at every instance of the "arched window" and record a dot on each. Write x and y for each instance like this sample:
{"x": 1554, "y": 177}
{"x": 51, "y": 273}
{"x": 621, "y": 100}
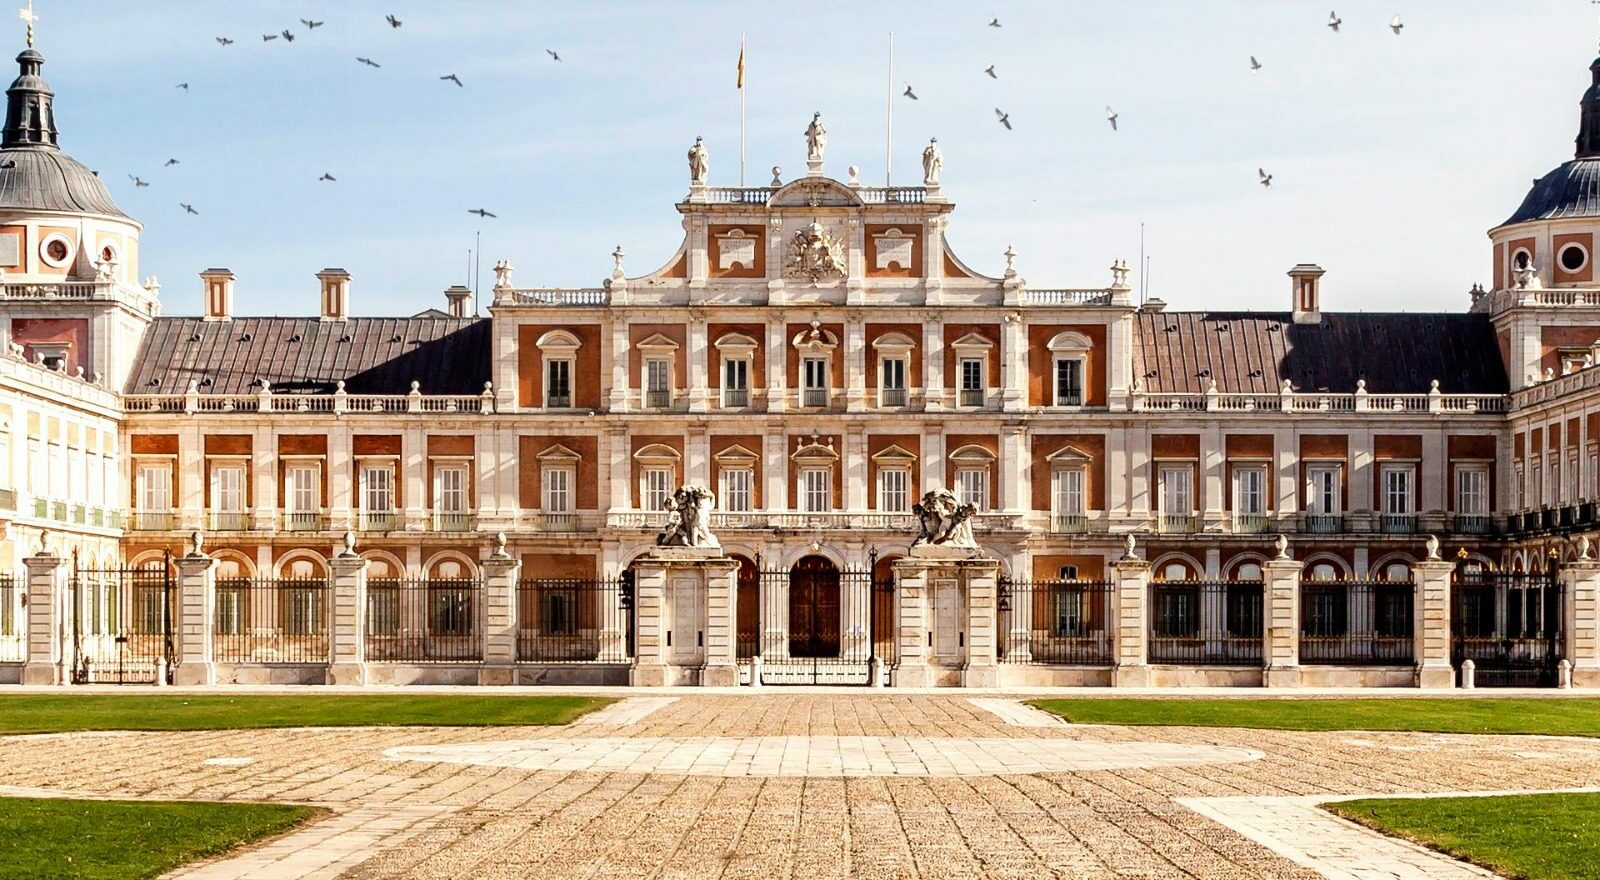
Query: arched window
{"x": 1247, "y": 571}
{"x": 1398, "y": 572}
{"x": 1324, "y": 571}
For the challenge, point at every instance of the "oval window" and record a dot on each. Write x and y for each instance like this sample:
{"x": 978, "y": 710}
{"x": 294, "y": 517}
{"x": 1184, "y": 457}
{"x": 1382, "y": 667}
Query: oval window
{"x": 1574, "y": 258}
{"x": 1522, "y": 259}
{"x": 57, "y": 250}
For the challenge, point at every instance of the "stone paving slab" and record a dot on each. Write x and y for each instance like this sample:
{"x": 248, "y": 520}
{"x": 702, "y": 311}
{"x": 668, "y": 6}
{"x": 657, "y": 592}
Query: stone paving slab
{"x": 625, "y": 712}
{"x": 1017, "y": 713}
{"x": 322, "y": 850}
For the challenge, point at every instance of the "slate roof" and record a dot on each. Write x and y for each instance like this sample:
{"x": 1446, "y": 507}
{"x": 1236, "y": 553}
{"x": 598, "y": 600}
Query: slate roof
{"x": 309, "y": 356}
{"x": 1573, "y": 190}
{"x": 39, "y": 179}
{"x": 1253, "y": 352}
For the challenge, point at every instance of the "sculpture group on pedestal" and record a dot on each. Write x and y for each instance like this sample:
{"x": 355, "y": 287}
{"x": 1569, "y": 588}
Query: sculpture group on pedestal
{"x": 943, "y": 521}
{"x": 689, "y": 519}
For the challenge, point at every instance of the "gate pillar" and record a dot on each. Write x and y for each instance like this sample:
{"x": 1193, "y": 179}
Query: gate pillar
{"x": 1282, "y": 599}
{"x": 1580, "y": 580}
{"x": 197, "y": 602}
{"x": 1130, "y": 621}
{"x": 948, "y": 615}
{"x": 349, "y": 655}
{"x": 685, "y": 618}
{"x": 49, "y": 616}
{"x": 500, "y": 574}
{"x": 1431, "y": 621}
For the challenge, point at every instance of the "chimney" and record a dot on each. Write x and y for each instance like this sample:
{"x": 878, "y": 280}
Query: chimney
{"x": 1307, "y": 293}
{"x": 335, "y": 294}
{"x": 218, "y": 291}
{"x": 459, "y": 300}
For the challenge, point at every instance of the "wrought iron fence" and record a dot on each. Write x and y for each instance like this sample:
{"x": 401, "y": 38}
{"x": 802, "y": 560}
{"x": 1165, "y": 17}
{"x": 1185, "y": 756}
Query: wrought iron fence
{"x": 123, "y": 624}
{"x": 424, "y": 620}
{"x": 1356, "y": 623}
{"x": 1206, "y": 623}
{"x": 1511, "y": 625}
{"x": 1062, "y": 622}
{"x": 574, "y": 620}
{"x": 13, "y": 621}
{"x": 815, "y": 624}
{"x": 272, "y": 620}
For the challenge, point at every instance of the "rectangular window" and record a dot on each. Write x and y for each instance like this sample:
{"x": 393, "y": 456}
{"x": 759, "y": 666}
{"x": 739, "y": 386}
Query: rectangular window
{"x": 1069, "y": 382}
{"x": 450, "y": 489}
{"x": 1593, "y": 481}
{"x": 1397, "y": 491}
{"x": 302, "y": 489}
{"x": 1322, "y": 490}
{"x": 736, "y": 490}
{"x": 658, "y": 382}
{"x": 558, "y": 383}
{"x": 155, "y": 488}
{"x": 970, "y": 371}
{"x": 1250, "y": 491}
{"x": 894, "y": 490}
{"x": 814, "y": 381}
{"x": 558, "y": 490}
{"x": 1472, "y": 491}
{"x": 1069, "y": 492}
{"x": 1177, "y": 497}
{"x": 1536, "y": 492}
{"x": 815, "y": 490}
{"x": 1553, "y": 480}
{"x": 892, "y": 371}
{"x": 227, "y": 488}
{"x": 655, "y": 488}
{"x": 972, "y": 487}
{"x": 377, "y": 489}
{"x": 1571, "y": 487}
{"x": 736, "y": 382}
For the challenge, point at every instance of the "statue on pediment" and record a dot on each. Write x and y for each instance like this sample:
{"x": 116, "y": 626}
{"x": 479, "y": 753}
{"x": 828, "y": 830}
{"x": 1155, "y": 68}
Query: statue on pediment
{"x": 815, "y": 255}
{"x": 816, "y": 138}
{"x": 699, "y": 162}
{"x": 932, "y": 163}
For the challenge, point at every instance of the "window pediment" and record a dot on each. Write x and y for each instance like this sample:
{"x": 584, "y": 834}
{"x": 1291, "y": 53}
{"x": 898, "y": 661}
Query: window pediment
{"x": 656, "y": 343}
{"x": 815, "y": 340}
{"x": 557, "y": 454}
{"x": 816, "y": 452}
{"x": 736, "y": 455}
{"x": 1070, "y": 342}
{"x": 736, "y": 344}
{"x": 556, "y": 341}
{"x": 895, "y": 455}
{"x": 893, "y": 343}
{"x": 972, "y": 454}
{"x": 657, "y": 453}
{"x": 1069, "y": 456}
{"x": 973, "y": 343}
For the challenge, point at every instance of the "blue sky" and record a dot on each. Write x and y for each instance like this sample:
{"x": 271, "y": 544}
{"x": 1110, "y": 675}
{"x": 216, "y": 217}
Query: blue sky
{"x": 1392, "y": 155}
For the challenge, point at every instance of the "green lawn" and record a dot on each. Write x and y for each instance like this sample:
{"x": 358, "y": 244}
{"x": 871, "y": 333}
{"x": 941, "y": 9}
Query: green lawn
{"x": 1533, "y": 837}
{"x": 43, "y": 838}
{"x": 49, "y": 713}
{"x": 1569, "y": 717}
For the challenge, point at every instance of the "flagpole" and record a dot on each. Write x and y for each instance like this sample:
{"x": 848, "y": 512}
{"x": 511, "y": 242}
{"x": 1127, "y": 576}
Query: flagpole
{"x": 888, "y": 107}
{"x": 741, "y": 110}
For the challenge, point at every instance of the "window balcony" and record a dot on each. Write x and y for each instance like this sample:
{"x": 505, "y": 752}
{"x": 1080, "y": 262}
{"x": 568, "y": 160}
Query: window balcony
{"x": 971, "y": 397}
{"x": 814, "y": 397}
{"x": 555, "y": 522}
{"x": 378, "y": 521}
{"x": 302, "y": 521}
{"x": 1471, "y": 524}
{"x": 1251, "y": 523}
{"x": 8, "y": 499}
{"x": 453, "y": 521}
{"x": 1178, "y": 523}
{"x": 655, "y": 399}
{"x": 228, "y": 521}
{"x": 558, "y": 401}
{"x": 893, "y": 397}
{"x": 1069, "y": 524}
{"x": 735, "y": 397}
{"x": 153, "y": 520}
{"x": 1323, "y": 523}
{"x": 1397, "y": 523}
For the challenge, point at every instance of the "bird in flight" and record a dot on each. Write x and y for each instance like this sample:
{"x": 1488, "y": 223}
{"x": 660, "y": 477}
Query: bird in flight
{"x": 994, "y": 22}
{"x": 393, "y": 22}
{"x": 1395, "y": 24}
{"x": 287, "y": 35}
{"x": 327, "y": 176}
{"x": 1003, "y": 117}
{"x": 453, "y": 78}
{"x": 990, "y": 70}
{"x": 480, "y": 212}
{"x": 368, "y": 62}
{"x": 553, "y": 54}
{"x": 1334, "y": 21}
{"x": 268, "y": 37}
{"x": 138, "y": 181}
{"x": 184, "y": 86}
{"x": 1254, "y": 64}
{"x": 1111, "y": 117}
{"x": 1266, "y": 179}
{"x": 910, "y": 94}
{"x": 312, "y": 25}
{"x": 170, "y": 163}
{"x": 224, "y": 41}
{"x": 188, "y": 207}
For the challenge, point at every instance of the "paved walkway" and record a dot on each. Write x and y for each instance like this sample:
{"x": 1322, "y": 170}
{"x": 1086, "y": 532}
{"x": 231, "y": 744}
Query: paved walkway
{"x": 652, "y": 793}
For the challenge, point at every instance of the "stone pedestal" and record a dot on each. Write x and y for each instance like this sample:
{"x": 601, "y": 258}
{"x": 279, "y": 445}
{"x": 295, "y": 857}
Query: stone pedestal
{"x": 948, "y": 619}
{"x": 196, "y": 616}
{"x": 1280, "y": 649}
{"x": 684, "y": 618}
{"x": 500, "y": 575}
{"x": 348, "y": 663}
{"x": 1129, "y": 622}
{"x": 1431, "y": 617}
{"x": 1581, "y": 584}
{"x": 49, "y": 616}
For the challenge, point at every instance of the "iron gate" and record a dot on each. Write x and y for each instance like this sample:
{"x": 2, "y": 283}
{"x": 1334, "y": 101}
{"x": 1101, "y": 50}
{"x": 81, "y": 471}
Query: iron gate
{"x": 1509, "y": 624}
{"x": 122, "y": 624}
{"x": 816, "y": 624}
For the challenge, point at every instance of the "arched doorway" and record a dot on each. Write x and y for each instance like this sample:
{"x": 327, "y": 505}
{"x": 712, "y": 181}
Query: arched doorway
{"x": 814, "y": 608}
{"x": 747, "y": 608}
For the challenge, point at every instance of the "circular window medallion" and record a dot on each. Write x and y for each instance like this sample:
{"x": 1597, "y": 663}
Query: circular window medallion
{"x": 1574, "y": 258}
{"x": 56, "y": 250}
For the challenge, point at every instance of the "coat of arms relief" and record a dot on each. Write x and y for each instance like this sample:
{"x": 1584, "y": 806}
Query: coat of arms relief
{"x": 814, "y": 255}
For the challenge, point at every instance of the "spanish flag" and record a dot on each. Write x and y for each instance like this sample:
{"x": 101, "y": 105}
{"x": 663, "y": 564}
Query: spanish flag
{"x": 741, "y": 63}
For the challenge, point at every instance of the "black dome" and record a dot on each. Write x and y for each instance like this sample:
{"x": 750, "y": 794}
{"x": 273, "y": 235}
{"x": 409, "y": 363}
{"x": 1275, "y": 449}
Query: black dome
{"x": 1573, "y": 190}
{"x": 34, "y": 174}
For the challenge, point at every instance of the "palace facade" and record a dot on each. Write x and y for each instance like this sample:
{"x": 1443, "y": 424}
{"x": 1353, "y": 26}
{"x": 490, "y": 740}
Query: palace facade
{"x": 818, "y": 355}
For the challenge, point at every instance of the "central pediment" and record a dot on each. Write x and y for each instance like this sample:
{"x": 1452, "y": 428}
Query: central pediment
{"x": 815, "y": 192}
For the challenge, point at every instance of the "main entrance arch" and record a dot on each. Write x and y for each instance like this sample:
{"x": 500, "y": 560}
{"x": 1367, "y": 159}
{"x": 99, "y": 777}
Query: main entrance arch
{"x": 815, "y": 624}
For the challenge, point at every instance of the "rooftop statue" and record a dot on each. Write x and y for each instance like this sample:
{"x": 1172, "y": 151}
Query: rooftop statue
{"x": 816, "y": 138}
{"x": 699, "y": 162}
{"x": 689, "y": 519}
{"x": 932, "y": 163}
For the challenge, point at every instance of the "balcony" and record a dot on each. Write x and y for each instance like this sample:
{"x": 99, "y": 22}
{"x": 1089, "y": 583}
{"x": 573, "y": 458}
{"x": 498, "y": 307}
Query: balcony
{"x": 1251, "y": 523}
{"x": 378, "y": 521}
{"x": 8, "y": 499}
{"x": 814, "y": 397}
{"x": 300, "y": 521}
{"x": 1470, "y": 524}
{"x": 1177, "y": 523}
{"x": 555, "y": 522}
{"x": 971, "y": 397}
{"x": 735, "y": 398}
{"x": 228, "y": 521}
{"x": 1322, "y": 523}
{"x": 1069, "y": 524}
{"x": 657, "y": 399}
{"x": 153, "y": 520}
{"x": 453, "y": 521}
{"x": 559, "y": 401}
{"x": 893, "y": 397}
{"x": 1397, "y": 523}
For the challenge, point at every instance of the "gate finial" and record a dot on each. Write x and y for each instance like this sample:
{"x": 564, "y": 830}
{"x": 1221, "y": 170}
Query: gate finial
{"x": 1433, "y": 548}
{"x": 349, "y": 545}
{"x": 196, "y": 541}
{"x": 1583, "y": 548}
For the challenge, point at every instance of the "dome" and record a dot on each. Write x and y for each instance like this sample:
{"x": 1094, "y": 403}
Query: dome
{"x": 34, "y": 179}
{"x": 1573, "y": 190}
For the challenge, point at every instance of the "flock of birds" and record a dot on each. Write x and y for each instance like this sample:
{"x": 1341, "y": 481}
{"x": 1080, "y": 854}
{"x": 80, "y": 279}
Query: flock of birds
{"x": 288, "y": 36}
{"x": 1265, "y": 179}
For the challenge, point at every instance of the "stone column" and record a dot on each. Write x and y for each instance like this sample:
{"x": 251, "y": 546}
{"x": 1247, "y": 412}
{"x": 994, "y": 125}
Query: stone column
{"x": 1580, "y": 580}
{"x": 855, "y": 354}
{"x": 1129, "y": 623}
{"x": 349, "y": 618}
{"x": 500, "y": 574}
{"x": 699, "y": 364}
{"x": 777, "y": 350}
{"x": 910, "y": 593}
{"x": 196, "y": 618}
{"x": 933, "y": 389}
{"x": 981, "y": 584}
{"x": 49, "y": 621}
{"x": 1431, "y": 617}
{"x": 1280, "y": 652}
